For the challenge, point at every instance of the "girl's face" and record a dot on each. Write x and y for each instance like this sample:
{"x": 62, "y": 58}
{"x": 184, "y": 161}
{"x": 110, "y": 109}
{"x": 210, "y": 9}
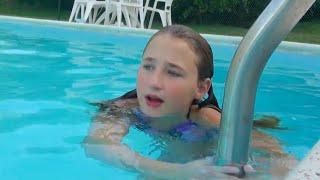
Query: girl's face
{"x": 168, "y": 78}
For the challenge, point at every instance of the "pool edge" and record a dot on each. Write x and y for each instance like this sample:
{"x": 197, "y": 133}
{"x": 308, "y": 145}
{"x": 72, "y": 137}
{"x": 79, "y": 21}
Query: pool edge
{"x": 223, "y": 39}
{"x": 309, "y": 167}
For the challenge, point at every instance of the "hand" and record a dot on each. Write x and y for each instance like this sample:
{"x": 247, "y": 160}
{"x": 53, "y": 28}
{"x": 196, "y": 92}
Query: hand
{"x": 204, "y": 169}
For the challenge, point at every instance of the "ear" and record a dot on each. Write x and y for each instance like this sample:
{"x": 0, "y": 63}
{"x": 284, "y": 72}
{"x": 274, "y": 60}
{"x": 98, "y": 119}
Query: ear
{"x": 203, "y": 88}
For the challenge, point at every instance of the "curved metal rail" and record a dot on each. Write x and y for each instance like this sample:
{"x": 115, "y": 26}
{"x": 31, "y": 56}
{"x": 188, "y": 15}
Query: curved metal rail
{"x": 271, "y": 27}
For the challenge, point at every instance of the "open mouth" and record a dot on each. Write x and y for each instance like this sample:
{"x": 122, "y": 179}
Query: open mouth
{"x": 153, "y": 101}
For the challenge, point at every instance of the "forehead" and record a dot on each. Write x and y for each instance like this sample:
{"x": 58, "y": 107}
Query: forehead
{"x": 169, "y": 48}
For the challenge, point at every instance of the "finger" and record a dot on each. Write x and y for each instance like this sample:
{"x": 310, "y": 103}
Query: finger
{"x": 212, "y": 173}
{"x": 234, "y": 171}
{"x": 248, "y": 168}
{"x": 230, "y": 169}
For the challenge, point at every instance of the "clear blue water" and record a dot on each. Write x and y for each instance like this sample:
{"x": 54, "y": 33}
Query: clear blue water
{"x": 49, "y": 73}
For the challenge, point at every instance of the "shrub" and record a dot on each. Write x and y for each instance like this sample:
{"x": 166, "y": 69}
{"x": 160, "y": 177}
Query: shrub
{"x": 231, "y": 12}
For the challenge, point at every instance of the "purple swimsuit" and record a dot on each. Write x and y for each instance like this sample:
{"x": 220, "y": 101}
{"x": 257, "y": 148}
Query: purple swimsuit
{"x": 187, "y": 131}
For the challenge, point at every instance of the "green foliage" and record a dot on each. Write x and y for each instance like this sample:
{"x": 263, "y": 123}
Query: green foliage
{"x": 231, "y": 12}
{"x": 313, "y": 13}
{"x": 47, "y": 4}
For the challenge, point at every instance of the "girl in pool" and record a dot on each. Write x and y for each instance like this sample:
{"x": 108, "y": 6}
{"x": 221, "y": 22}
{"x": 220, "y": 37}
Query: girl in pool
{"x": 174, "y": 101}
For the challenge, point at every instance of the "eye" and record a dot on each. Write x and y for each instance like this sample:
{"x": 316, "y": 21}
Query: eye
{"x": 174, "y": 73}
{"x": 148, "y": 67}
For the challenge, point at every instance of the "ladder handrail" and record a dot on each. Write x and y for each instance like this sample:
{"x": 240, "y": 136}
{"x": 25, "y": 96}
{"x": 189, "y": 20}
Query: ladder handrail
{"x": 271, "y": 27}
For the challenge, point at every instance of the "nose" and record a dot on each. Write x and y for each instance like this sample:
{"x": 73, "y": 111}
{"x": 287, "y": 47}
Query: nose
{"x": 156, "y": 80}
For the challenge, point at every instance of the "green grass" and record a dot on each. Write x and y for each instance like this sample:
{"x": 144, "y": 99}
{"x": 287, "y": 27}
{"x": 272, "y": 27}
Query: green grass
{"x": 307, "y": 32}
{"x": 213, "y": 29}
{"x": 35, "y": 13}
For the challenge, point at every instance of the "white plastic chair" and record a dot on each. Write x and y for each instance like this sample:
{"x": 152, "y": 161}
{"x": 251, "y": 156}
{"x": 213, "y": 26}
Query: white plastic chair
{"x": 129, "y": 8}
{"x": 135, "y": 10}
{"x": 78, "y": 6}
{"x": 165, "y": 14}
{"x": 89, "y": 9}
{"x": 114, "y": 8}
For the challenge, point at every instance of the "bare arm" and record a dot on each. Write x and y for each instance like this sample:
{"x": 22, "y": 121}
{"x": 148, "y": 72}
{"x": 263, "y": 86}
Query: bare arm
{"x": 104, "y": 143}
{"x": 208, "y": 117}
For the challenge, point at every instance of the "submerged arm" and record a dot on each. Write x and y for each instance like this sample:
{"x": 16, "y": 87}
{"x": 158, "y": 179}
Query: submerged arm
{"x": 208, "y": 117}
{"x": 104, "y": 143}
{"x": 266, "y": 142}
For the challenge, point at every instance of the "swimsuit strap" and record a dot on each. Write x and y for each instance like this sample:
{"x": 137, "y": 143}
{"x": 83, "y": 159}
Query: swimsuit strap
{"x": 213, "y": 107}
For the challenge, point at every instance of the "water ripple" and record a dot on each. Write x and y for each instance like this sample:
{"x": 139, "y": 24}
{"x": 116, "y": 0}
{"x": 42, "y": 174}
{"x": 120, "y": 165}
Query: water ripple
{"x": 18, "y": 52}
{"x": 49, "y": 150}
{"x": 23, "y": 106}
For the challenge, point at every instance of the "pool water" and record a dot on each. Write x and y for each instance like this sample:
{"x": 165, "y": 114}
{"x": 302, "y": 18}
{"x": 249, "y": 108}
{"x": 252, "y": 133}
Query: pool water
{"x": 48, "y": 74}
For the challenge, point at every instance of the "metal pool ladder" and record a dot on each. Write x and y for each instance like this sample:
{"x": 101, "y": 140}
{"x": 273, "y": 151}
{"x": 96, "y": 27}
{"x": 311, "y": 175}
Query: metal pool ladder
{"x": 271, "y": 27}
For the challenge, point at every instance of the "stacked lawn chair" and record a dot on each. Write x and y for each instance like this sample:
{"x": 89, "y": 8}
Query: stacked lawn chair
{"x": 132, "y": 11}
{"x": 110, "y": 12}
{"x": 164, "y": 12}
{"x": 86, "y": 11}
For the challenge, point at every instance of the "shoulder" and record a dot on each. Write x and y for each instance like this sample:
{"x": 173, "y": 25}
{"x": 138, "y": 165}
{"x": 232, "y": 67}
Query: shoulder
{"x": 115, "y": 109}
{"x": 206, "y": 116}
{"x": 118, "y": 104}
{"x": 126, "y": 103}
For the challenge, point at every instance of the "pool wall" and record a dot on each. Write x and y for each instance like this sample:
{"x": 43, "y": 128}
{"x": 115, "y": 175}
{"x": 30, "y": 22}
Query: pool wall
{"x": 303, "y": 48}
